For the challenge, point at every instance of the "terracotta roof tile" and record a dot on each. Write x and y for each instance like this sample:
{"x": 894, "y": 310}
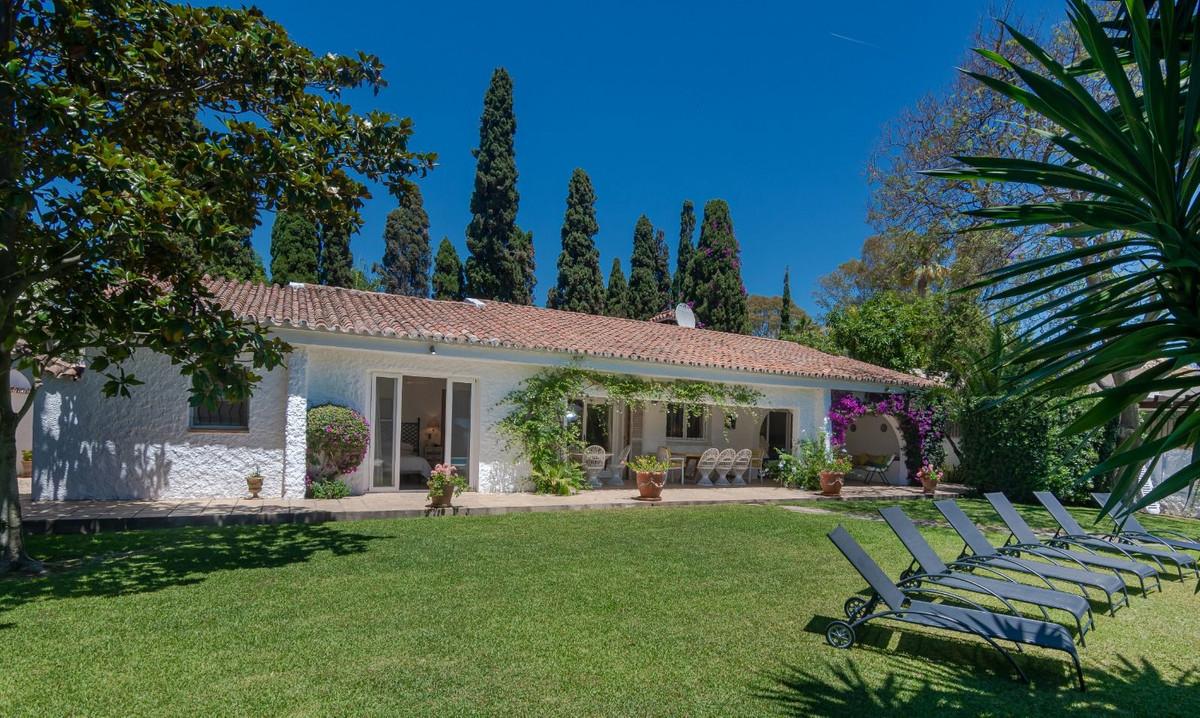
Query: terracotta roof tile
{"x": 522, "y": 327}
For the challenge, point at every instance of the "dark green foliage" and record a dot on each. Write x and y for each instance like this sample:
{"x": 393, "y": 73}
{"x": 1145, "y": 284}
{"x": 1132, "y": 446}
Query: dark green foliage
{"x": 617, "y": 297}
{"x": 580, "y": 285}
{"x": 501, "y": 255}
{"x": 716, "y": 274}
{"x": 336, "y": 268}
{"x": 406, "y": 252}
{"x": 680, "y": 285}
{"x": 104, "y": 168}
{"x": 785, "y": 305}
{"x": 447, "y": 273}
{"x": 649, "y": 273}
{"x": 236, "y": 259}
{"x": 294, "y": 249}
{"x": 1019, "y": 447}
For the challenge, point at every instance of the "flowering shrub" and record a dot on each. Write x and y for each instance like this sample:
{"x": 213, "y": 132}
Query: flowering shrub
{"x": 337, "y": 441}
{"x": 922, "y": 423}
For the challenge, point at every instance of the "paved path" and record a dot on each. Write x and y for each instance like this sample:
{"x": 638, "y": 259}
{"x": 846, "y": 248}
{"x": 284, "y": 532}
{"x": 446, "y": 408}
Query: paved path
{"x": 93, "y": 516}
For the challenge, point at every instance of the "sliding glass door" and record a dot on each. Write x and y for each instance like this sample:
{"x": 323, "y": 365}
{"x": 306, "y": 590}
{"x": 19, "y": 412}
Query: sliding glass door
{"x": 419, "y": 422}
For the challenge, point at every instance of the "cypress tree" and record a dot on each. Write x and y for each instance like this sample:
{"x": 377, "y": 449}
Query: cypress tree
{"x": 717, "y": 273}
{"x": 236, "y": 259}
{"x": 447, "y": 273}
{"x": 649, "y": 293}
{"x": 336, "y": 267}
{"x": 406, "y": 254}
{"x": 580, "y": 285}
{"x": 662, "y": 266}
{"x": 785, "y": 306}
{"x": 680, "y": 289}
{"x": 294, "y": 248}
{"x": 617, "y": 296}
{"x": 501, "y": 255}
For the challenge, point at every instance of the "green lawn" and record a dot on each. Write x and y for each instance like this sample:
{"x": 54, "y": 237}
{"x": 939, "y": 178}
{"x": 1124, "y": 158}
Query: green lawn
{"x": 699, "y": 611}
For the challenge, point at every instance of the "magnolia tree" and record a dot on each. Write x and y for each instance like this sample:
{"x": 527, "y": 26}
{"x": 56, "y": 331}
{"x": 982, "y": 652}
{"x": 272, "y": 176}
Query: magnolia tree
{"x": 138, "y": 137}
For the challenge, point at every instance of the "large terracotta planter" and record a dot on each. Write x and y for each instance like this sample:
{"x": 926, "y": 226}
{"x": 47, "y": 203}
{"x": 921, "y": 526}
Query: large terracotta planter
{"x": 444, "y": 499}
{"x": 831, "y": 483}
{"x": 26, "y": 467}
{"x": 650, "y": 484}
{"x": 928, "y": 486}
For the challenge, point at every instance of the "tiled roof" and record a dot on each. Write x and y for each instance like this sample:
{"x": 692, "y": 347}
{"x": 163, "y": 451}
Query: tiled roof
{"x": 533, "y": 328}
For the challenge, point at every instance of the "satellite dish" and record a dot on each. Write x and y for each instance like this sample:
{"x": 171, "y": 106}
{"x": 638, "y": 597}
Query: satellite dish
{"x": 685, "y": 317}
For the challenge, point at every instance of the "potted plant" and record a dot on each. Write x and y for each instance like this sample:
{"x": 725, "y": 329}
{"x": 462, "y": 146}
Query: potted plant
{"x": 651, "y": 473}
{"x": 444, "y": 484}
{"x": 833, "y": 471}
{"x": 26, "y": 462}
{"x": 254, "y": 483}
{"x": 929, "y": 476}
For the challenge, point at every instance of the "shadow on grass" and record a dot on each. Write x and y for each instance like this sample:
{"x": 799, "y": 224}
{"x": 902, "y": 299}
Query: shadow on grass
{"x": 937, "y": 674}
{"x": 141, "y": 562}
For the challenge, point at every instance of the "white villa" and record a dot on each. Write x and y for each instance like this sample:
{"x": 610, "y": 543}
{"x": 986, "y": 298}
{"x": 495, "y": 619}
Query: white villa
{"x": 430, "y": 376}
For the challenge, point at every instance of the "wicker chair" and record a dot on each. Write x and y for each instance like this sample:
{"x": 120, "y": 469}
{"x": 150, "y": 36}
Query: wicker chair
{"x": 741, "y": 464}
{"x": 705, "y": 466}
{"x": 594, "y": 459}
{"x": 724, "y": 466}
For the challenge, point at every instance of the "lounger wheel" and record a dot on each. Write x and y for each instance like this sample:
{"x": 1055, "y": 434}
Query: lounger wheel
{"x": 840, "y": 634}
{"x": 854, "y": 606}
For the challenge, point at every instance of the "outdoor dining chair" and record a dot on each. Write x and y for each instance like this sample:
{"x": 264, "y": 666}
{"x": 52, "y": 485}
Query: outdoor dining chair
{"x": 594, "y": 459}
{"x": 1022, "y": 538}
{"x": 876, "y": 467}
{"x": 928, "y": 567}
{"x": 724, "y": 466}
{"x": 1128, "y": 527}
{"x": 673, "y": 463}
{"x": 978, "y": 550}
{"x": 756, "y": 465}
{"x": 974, "y": 619}
{"x": 741, "y": 464}
{"x": 1071, "y": 532}
{"x": 706, "y": 465}
{"x": 616, "y": 472}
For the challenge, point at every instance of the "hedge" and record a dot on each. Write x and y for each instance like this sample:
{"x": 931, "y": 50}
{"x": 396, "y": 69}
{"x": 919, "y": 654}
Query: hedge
{"x": 1018, "y": 447}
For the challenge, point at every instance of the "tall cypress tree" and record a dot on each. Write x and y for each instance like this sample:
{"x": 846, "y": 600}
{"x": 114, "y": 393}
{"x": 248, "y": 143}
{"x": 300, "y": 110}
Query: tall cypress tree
{"x": 648, "y": 293}
{"x": 406, "y": 254}
{"x": 501, "y": 255}
{"x": 336, "y": 266}
{"x": 680, "y": 289}
{"x": 662, "y": 267}
{"x": 785, "y": 305}
{"x": 617, "y": 297}
{"x": 447, "y": 273}
{"x": 580, "y": 285}
{"x": 717, "y": 273}
{"x": 294, "y": 249}
{"x": 236, "y": 259}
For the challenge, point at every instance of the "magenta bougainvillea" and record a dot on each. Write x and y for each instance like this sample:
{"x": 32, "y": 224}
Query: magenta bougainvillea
{"x": 337, "y": 441}
{"x": 922, "y": 422}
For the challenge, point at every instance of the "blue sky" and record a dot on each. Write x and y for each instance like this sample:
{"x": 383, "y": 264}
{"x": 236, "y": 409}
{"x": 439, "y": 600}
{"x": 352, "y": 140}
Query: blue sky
{"x": 774, "y": 107}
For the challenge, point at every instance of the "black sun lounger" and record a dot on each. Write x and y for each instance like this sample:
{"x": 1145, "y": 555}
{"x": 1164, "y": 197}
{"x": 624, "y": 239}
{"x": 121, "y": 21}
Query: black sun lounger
{"x": 978, "y": 549}
{"x": 1128, "y": 527}
{"x": 1072, "y": 532}
{"x": 933, "y": 570}
{"x": 976, "y": 621}
{"x": 1027, "y": 541}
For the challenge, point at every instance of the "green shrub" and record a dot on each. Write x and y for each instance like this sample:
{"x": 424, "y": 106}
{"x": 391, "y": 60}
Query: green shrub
{"x": 1018, "y": 447}
{"x": 559, "y": 478}
{"x": 802, "y": 468}
{"x": 337, "y": 439}
{"x": 329, "y": 489}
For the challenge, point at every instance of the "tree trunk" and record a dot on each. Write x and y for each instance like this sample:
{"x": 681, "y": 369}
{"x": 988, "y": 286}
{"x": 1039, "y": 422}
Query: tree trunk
{"x": 12, "y": 532}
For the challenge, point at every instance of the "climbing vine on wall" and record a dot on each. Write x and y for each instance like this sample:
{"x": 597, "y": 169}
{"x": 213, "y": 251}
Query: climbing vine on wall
{"x": 537, "y": 422}
{"x": 922, "y": 420}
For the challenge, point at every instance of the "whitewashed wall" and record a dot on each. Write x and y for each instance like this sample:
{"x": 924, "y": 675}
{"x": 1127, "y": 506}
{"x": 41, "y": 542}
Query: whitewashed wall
{"x": 1181, "y": 503}
{"x": 87, "y": 446}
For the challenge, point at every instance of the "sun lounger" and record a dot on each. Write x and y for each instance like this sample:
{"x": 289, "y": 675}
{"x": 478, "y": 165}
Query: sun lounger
{"x": 1130, "y": 528}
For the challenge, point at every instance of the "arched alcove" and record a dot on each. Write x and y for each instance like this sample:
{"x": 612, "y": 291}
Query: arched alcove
{"x": 879, "y": 435}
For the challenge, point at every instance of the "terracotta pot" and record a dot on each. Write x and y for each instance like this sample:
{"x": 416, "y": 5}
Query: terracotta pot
{"x": 26, "y": 467}
{"x": 929, "y": 486}
{"x": 254, "y": 484}
{"x": 831, "y": 483}
{"x": 650, "y": 483}
{"x": 444, "y": 499}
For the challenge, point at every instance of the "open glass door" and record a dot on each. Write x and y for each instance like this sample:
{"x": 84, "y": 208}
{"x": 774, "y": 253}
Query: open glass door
{"x": 383, "y": 465}
{"x": 459, "y": 445}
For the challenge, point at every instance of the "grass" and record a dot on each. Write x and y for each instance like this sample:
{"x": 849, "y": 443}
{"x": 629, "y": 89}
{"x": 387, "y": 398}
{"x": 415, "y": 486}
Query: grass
{"x": 698, "y": 611}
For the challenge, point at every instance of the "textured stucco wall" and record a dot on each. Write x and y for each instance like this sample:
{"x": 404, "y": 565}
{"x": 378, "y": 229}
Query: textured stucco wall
{"x": 343, "y": 376}
{"x": 87, "y": 446}
{"x": 1180, "y": 503}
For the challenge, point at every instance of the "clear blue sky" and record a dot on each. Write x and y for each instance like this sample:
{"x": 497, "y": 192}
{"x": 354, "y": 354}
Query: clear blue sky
{"x": 773, "y": 107}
